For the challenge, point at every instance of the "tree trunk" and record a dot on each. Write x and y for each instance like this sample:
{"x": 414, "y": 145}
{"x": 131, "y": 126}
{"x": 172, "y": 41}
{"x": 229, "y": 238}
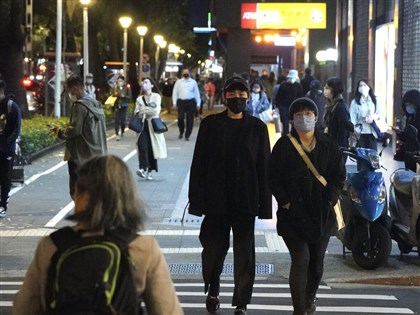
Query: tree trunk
{"x": 12, "y": 37}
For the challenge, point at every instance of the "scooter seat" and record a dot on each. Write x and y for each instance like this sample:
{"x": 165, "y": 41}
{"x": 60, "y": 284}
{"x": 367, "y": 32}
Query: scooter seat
{"x": 402, "y": 181}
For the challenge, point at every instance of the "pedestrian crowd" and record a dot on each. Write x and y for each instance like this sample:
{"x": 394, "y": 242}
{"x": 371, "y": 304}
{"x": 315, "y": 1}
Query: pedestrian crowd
{"x": 233, "y": 176}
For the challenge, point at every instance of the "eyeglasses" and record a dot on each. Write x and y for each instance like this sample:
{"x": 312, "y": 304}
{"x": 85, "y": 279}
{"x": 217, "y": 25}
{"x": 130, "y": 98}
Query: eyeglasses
{"x": 304, "y": 113}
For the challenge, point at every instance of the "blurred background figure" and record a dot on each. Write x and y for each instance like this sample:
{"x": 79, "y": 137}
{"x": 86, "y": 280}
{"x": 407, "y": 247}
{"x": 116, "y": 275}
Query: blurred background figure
{"x": 123, "y": 93}
{"x": 258, "y": 102}
{"x": 89, "y": 87}
{"x": 316, "y": 94}
{"x": 210, "y": 92}
{"x": 268, "y": 81}
{"x": 167, "y": 89}
{"x": 306, "y": 80}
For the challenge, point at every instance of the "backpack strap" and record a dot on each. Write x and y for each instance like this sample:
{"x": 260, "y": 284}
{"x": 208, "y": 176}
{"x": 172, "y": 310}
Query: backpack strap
{"x": 9, "y": 106}
{"x": 65, "y": 237}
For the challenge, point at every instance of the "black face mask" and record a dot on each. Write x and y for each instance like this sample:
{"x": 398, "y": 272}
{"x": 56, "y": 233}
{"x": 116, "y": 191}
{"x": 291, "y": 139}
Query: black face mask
{"x": 186, "y": 76}
{"x": 236, "y": 105}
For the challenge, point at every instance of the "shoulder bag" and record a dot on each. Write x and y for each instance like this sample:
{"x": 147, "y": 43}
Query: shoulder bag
{"x": 158, "y": 124}
{"x": 136, "y": 123}
{"x": 337, "y": 206}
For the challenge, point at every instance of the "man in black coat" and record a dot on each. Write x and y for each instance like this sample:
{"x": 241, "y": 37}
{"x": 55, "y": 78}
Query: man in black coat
{"x": 228, "y": 184}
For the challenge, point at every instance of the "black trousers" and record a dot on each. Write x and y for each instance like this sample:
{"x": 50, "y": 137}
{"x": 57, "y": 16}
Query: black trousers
{"x": 147, "y": 160}
{"x": 186, "y": 111}
{"x": 215, "y": 239}
{"x": 6, "y": 164}
{"x": 72, "y": 167}
{"x": 284, "y": 118}
{"x": 119, "y": 120}
{"x": 306, "y": 270}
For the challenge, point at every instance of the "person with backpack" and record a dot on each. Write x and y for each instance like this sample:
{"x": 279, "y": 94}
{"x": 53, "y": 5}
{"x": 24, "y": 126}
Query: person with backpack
{"x": 317, "y": 95}
{"x": 85, "y": 134}
{"x": 10, "y": 120}
{"x": 108, "y": 214}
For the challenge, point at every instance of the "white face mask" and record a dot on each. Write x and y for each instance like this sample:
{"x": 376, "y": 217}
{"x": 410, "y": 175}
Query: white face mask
{"x": 72, "y": 97}
{"x": 89, "y": 81}
{"x": 292, "y": 80}
{"x": 364, "y": 90}
{"x": 120, "y": 83}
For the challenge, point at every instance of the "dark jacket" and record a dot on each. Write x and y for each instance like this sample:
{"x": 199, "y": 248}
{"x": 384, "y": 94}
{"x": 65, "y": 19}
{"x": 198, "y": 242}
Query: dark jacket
{"x": 310, "y": 214}
{"x": 86, "y": 133}
{"x": 207, "y": 191}
{"x": 337, "y": 119}
{"x": 12, "y": 128}
{"x": 287, "y": 93}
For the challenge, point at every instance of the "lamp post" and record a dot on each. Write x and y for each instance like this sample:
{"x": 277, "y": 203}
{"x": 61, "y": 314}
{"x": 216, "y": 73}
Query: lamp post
{"x": 85, "y": 4}
{"x": 158, "y": 39}
{"x": 142, "y": 30}
{"x": 125, "y": 22}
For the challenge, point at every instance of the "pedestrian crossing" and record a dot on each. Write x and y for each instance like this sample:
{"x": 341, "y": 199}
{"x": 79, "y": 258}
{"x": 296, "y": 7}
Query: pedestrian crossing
{"x": 269, "y": 298}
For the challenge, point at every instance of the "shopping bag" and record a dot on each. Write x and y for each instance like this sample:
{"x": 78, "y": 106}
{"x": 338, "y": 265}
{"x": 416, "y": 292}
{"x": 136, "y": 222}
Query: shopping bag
{"x": 339, "y": 216}
{"x": 110, "y": 101}
{"x": 266, "y": 116}
{"x": 159, "y": 125}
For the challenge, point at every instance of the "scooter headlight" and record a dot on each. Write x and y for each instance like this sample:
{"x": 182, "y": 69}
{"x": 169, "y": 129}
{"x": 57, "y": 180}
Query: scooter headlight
{"x": 382, "y": 195}
{"x": 375, "y": 160}
{"x": 354, "y": 196}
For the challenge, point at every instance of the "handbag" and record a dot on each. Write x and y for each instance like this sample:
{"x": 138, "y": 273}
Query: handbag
{"x": 136, "y": 123}
{"x": 337, "y": 207}
{"x": 159, "y": 125}
{"x": 110, "y": 101}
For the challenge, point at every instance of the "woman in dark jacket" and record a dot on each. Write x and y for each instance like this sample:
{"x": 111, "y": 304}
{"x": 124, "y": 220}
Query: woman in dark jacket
{"x": 305, "y": 218}
{"x": 337, "y": 115}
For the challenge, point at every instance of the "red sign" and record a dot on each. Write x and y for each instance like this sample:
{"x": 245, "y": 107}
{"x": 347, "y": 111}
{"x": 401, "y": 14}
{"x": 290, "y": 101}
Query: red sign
{"x": 249, "y": 15}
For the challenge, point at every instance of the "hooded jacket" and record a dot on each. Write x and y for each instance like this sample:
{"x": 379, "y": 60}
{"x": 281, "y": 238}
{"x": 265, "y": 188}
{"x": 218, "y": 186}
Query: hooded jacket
{"x": 208, "y": 193}
{"x": 86, "y": 133}
{"x": 12, "y": 128}
{"x": 310, "y": 214}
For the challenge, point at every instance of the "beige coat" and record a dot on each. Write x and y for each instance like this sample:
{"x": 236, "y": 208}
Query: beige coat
{"x": 153, "y": 111}
{"x": 152, "y": 277}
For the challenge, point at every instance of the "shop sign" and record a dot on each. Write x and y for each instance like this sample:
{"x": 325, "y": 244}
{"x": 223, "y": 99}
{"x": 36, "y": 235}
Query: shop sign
{"x": 283, "y": 15}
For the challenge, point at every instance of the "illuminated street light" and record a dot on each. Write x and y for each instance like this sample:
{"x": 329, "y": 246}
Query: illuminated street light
{"x": 159, "y": 42}
{"x": 142, "y": 30}
{"x": 125, "y": 22}
{"x": 85, "y": 4}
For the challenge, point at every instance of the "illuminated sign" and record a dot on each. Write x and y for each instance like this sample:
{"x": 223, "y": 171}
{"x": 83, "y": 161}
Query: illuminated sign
{"x": 283, "y": 15}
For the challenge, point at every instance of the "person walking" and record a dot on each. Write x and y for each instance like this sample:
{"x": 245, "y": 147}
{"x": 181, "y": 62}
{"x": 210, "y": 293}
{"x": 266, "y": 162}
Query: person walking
{"x": 337, "y": 116}
{"x": 107, "y": 202}
{"x": 186, "y": 97}
{"x": 122, "y": 91}
{"x": 258, "y": 101}
{"x": 89, "y": 87}
{"x": 305, "y": 216}
{"x": 286, "y": 94}
{"x": 151, "y": 146}
{"x": 306, "y": 81}
{"x": 167, "y": 89}
{"x": 210, "y": 92}
{"x": 228, "y": 185}
{"x": 85, "y": 134}
{"x": 364, "y": 110}
{"x": 317, "y": 95}
{"x": 10, "y": 122}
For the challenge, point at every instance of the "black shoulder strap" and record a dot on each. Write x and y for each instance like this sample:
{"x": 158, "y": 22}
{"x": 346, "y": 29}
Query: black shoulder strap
{"x": 64, "y": 237}
{"x": 144, "y": 100}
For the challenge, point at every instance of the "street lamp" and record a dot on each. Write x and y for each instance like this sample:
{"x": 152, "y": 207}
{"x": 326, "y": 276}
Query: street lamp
{"x": 85, "y": 4}
{"x": 142, "y": 30}
{"x": 125, "y": 22}
{"x": 159, "y": 41}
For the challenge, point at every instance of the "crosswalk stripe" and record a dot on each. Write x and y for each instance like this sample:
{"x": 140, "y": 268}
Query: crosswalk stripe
{"x": 6, "y": 303}
{"x": 256, "y": 285}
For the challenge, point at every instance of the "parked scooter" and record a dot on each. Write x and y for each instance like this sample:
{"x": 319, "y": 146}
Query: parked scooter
{"x": 364, "y": 207}
{"x": 404, "y": 207}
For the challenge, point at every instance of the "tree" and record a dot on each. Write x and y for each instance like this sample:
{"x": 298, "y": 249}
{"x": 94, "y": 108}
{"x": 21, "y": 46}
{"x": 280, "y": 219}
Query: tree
{"x": 12, "y": 39}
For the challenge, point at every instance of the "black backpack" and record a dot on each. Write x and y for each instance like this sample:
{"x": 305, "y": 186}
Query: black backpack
{"x": 91, "y": 275}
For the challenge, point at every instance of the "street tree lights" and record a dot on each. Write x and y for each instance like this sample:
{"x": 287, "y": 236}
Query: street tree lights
{"x": 125, "y": 22}
{"x": 159, "y": 42}
{"x": 142, "y": 30}
{"x": 85, "y": 4}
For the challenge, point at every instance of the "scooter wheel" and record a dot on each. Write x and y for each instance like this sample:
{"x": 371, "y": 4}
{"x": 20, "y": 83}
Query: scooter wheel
{"x": 373, "y": 253}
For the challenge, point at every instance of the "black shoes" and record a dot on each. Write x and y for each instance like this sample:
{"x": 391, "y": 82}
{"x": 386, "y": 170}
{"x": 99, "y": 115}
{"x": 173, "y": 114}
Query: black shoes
{"x": 212, "y": 304}
{"x": 3, "y": 212}
{"x": 240, "y": 310}
{"x": 310, "y": 306}
{"x": 180, "y": 136}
